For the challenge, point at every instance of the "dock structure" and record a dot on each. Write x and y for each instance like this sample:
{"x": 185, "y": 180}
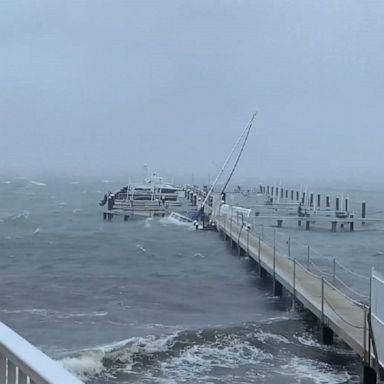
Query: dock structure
{"x": 308, "y": 209}
{"x": 338, "y": 314}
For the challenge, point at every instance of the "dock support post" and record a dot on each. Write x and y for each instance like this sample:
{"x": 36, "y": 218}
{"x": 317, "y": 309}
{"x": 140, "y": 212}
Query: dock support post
{"x": 363, "y": 211}
{"x": 299, "y": 223}
{"x": 272, "y": 190}
{"x": 307, "y": 223}
{"x": 286, "y": 193}
{"x": 279, "y": 223}
{"x": 337, "y": 203}
{"x": 318, "y": 200}
{"x": 126, "y": 217}
{"x": 267, "y": 189}
{"x": 368, "y": 375}
{"x": 297, "y": 196}
{"x": 104, "y": 215}
{"x": 303, "y": 198}
{"x": 327, "y": 202}
{"x": 351, "y": 224}
{"x": 334, "y": 223}
{"x": 311, "y": 200}
{"x": 326, "y": 333}
{"x": 109, "y": 216}
{"x": 291, "y": 194}
{"x": 277, "y": 288}
{"x": 346, "y": 204}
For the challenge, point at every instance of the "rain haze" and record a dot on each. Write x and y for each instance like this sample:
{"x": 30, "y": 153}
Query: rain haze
{"x": 102, "y": 87}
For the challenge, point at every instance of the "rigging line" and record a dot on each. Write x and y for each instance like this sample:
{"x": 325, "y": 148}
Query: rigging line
{"x": 239, "y": 155}
{"x": 226, "y": 161}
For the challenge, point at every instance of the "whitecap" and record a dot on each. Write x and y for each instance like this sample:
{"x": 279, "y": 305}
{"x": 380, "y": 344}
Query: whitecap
{"x": 22, "y": 215}
{"x": 74, "y": 182}
{"x": 33, "y": 311}
{"x": 39, "y": 183}
{"x": 6, "y": 182}
{"x": 141, "y": 248}
{"x": 84, "y": 364}
{"x": 315, "y": 371}
{"x": 37, "y": 230}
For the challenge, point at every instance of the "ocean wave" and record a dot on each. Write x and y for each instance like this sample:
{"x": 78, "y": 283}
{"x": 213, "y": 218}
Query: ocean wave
{"x": 24, "y": 215}
{"x": 141, "y": 248}
{"x": 38, "y": 183}
{"x": 53, "y": 314}
{"x": 315, "y": 372}
{"x": 178, "y": 356}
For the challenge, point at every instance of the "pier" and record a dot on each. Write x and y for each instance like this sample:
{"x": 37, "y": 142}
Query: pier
{"x": 337, "y": 313}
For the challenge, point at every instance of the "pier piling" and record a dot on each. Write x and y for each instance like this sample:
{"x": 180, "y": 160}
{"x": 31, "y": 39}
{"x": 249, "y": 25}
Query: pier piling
{"x": 363, "y": 211}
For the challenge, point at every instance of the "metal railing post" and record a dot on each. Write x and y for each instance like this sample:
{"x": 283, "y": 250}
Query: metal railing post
{"x": 274, "y": 253}
{"x": 259, "y": 251}
{"x": 308, "y": 255}
{"x": 365, "y": 334}
{"x": 334, "y": 271}
{"x": 289, "y": 246}
{"x": 322, "y": 300}
{"x": 294, "y": 281}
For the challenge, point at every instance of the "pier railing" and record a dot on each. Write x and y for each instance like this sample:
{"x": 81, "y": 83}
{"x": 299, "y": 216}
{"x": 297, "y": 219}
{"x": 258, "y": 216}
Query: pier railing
{"x": 22, "y": 363}
{"x": 377, "y": 314}
{"x": 351, "y": 283}
{"x": 334, "y": 307}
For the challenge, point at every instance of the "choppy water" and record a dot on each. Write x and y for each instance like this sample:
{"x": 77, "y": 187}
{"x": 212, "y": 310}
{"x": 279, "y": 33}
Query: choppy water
{"x": 148, "y": 301}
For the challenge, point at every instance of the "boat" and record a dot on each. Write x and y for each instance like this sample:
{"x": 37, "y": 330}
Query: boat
{"x": 153, "y": 188}
{"x": 216, "y": 203}
{"x": 152, "y": 197}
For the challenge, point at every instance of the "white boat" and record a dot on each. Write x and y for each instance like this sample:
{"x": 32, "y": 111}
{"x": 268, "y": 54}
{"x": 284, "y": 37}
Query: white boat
{"x": 150, "y": 198}
{"x": 152, "y": 189}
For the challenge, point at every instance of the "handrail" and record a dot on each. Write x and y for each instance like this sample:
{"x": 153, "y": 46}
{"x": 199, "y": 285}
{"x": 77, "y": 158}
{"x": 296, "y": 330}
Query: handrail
{"x": 30, "y": 361}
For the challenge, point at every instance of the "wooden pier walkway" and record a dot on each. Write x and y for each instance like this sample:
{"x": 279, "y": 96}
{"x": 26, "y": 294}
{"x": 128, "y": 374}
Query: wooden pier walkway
{"x": 337, "y": 312}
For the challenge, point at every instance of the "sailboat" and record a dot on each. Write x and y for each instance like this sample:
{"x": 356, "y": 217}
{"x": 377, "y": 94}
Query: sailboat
{"x": 195, "y": 216}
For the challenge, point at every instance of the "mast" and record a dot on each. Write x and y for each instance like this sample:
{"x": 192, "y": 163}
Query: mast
{"x": 245, "y": 132}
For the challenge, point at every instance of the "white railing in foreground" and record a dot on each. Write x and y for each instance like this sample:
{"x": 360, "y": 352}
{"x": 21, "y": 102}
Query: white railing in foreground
{"x": 377, "y": 313}
{"x": 22, "y": 363}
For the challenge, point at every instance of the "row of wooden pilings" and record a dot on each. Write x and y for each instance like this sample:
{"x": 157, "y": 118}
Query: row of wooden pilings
{"x": 312, "y": 198}
{"x": 368, "y": 374}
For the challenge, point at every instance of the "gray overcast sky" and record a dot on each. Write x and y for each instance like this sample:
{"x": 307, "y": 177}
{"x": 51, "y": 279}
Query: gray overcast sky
{"x": 102, "y": 87}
